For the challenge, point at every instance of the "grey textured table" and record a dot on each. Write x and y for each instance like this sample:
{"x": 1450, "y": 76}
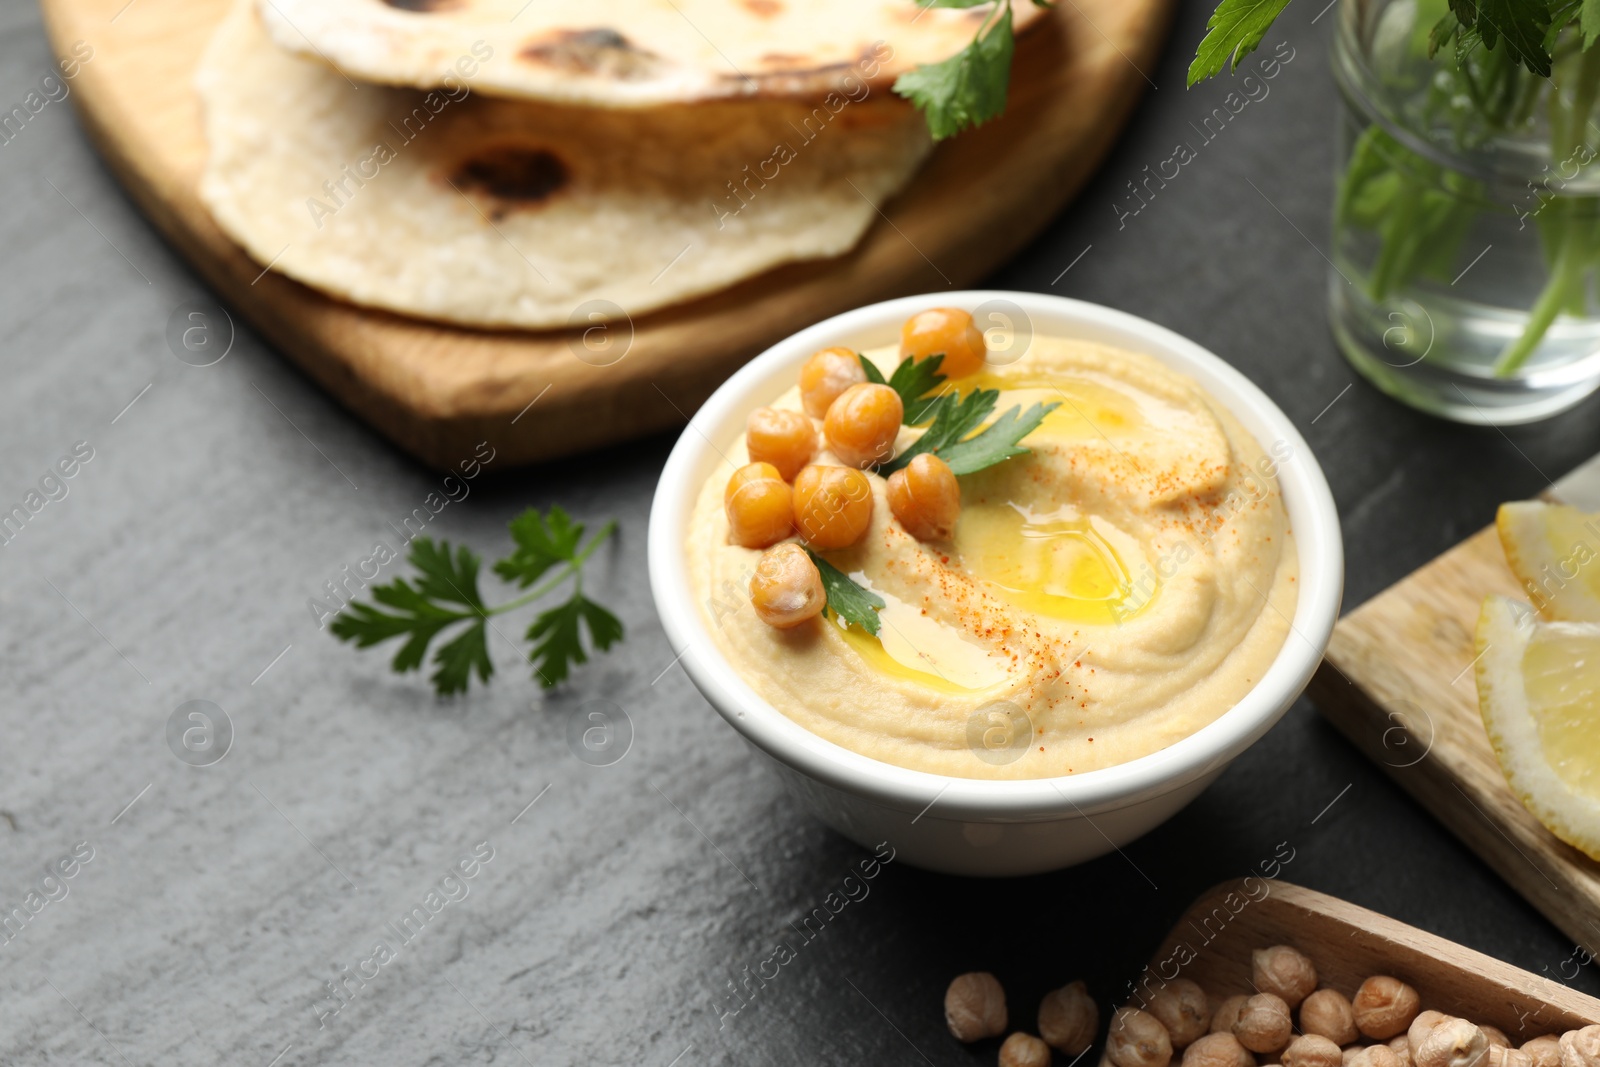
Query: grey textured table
{"x": 615, "y": 911}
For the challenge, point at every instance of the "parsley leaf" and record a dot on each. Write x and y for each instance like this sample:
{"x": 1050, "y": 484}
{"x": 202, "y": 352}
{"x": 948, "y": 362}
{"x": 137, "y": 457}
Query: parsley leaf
{"x": 957, "y": 418}
{"x": 852, "y": 603}
{"x": 558, "y": 637}
{"x": 998, "y": 441}
{"x": 421, "y": 614}
{"x": 1235, "y": 29}
{"x": 913, "y": 379}
{"x": 445, "y": 592}
{"x": 1589, "y": 22}
{"x": 1521, "y": 24}
{"x": 969, "y": 88}
{"x": 541, "y": 544}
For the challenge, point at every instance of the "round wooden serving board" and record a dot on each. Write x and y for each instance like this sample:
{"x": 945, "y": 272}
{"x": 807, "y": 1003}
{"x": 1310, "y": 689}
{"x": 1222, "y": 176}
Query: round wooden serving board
{"x": 437, "y": 390}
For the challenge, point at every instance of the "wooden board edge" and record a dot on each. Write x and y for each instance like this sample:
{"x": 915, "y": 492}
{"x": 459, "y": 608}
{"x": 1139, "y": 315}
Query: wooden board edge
{"x": 443, "y": 440}
{"x": 1357, "y": 715}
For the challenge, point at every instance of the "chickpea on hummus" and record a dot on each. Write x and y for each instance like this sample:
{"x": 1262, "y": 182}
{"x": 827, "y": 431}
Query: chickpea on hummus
{"x": 1098, "y": 557}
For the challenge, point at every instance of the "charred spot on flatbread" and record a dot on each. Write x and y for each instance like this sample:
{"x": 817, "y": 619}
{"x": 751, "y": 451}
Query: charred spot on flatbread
{"x": 424, "y": 7}
{"x": 602, "y": 52}
{"x": 514, "y": 177}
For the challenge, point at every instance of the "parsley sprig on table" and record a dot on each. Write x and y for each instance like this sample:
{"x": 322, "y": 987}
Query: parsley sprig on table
{"x": 445, "y": 594}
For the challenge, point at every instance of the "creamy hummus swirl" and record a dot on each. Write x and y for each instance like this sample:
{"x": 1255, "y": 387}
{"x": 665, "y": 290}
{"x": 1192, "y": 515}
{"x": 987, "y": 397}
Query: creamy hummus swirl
{"x": 1113, "y": 591}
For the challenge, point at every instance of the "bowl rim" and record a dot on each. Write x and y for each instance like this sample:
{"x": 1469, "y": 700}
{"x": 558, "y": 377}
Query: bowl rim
{"x": 1312, "y": 515}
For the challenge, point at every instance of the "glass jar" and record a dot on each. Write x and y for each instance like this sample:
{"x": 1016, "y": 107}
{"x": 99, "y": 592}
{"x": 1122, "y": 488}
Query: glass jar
{"x": 1466, "y": 221}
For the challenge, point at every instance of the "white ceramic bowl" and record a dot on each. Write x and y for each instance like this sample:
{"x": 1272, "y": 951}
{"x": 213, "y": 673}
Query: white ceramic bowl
{"x": 965, "y": 825}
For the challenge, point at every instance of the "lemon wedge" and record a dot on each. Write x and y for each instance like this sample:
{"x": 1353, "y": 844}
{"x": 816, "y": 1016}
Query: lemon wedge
{"x": 1539, "y": 693}
{"x": 1555, "y": 553}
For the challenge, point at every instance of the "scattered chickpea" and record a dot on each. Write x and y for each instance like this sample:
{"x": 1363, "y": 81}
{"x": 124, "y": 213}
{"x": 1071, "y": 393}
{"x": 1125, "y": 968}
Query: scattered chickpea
{"x": 1227, "y": 1014}
{"x": 759, "y": 505}
{"x": 1024, "y": 1050}
{"x": 949, "y": 332}
{"x": 1581, "y": 1048}
{"x": 832, "y": 505}
{"x": 1137, "y": 1039}
{"x": 1328, "y": 1013}
{"x": 1495, "y": 1035}
{"x": 1384, "y": 1007}
{"x": 925, "y": 496}
{"x": 785, "y": 439}
{"x": 1400, "y": 1045}
{"x": 1264, "y": 1024}
{"x": 1217, "y": 1050}
{"x": 825, "y": 375}
{"x": 1284, "y": 972}
{"x": 1545, "y": 1050}
{"x": 786, "y": 589}
{"x": 1421, "y": 1026}
{"x": 1182, "y": 1008}
{"x": 1453, "y": 1043}
{"x": 1312, "y": 1050}
{"x": 1069, "y": 1018}
{"x": 975, "y": 1006}
{"x": 862, "y": 424}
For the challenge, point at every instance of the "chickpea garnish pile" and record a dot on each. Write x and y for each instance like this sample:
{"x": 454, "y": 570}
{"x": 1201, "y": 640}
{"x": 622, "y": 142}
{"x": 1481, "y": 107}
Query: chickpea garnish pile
{"x": 782, "y": 492}
{"x": 1380, "y": 1025}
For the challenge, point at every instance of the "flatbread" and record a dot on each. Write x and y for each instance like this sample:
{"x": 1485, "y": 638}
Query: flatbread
{"x": 630, "y": 53}
{"x": 487, "y": 212}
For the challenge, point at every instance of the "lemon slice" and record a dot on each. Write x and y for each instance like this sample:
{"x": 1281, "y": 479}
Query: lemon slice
{"x": 1555, "y": 553}
{"x": 1539, "y": 692}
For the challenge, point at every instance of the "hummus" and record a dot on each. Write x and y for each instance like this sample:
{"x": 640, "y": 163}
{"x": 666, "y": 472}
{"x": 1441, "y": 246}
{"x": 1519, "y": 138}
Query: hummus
{"x": 1111, "y": 592}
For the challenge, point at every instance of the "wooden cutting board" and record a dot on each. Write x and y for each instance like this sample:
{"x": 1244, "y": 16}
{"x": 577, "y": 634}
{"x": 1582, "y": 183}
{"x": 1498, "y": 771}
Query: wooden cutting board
{"x": 1397, "y": 681}
{"x": 436, "y": 390}
{"x": 1349, "y": 944}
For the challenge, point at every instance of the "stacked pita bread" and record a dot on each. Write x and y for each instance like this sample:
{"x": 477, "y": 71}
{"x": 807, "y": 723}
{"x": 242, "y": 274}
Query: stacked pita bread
{"x": 506, "y": 163}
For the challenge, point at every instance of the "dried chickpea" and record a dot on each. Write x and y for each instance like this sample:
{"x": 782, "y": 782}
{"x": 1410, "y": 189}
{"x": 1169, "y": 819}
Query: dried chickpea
{"x": 1182, "y": 1008}
{"x": 1264, "y": 1024}
{"x": 1284, "y": 972}
{"x": 1384, "y": 1007}
{"x": 1069, "y": 1018}
{"x": 1495, "y": 1035}
{"x": 1327, "y": 1013}
{"x": 1137, "y": 1039}
{"x": 1453, "y": 1043}
{"x": 975, "y": 1006}
{"x": 832, "y": 505}
{"x": 1376, "y": 1056}
{"x": 825, "y": 375}
{"x": 1581, "y": 1048}
{"x": 862, "y": 424}
{"x": 1024, "y": 1050}
{"x": 759, "y": 505}
{"x": 1217, "y": 1050}
{"x": 1312, "y": 1050}
{"x": 786, "y": 589}
{"x": 1506, "y": 1056}
{"x": 785, "y": 439}
{"x": 1421, "y": 1026}
{"x": 1226, "y": 1014}
{"x": 925, "y": 496}
{"x": 1400, "y": 1045}
{"x": 1545, "y": 1050}
{"x": 945, "y": 331}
